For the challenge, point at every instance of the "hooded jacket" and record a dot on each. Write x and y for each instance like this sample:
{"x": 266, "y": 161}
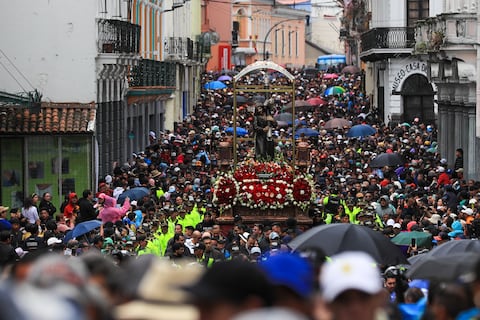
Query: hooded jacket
{"x": 68, "y": 211}
{"x": 110, "y": 212}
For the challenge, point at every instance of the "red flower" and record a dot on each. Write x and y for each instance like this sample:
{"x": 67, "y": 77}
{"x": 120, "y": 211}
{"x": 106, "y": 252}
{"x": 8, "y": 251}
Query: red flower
{"x": 302, "y": 190}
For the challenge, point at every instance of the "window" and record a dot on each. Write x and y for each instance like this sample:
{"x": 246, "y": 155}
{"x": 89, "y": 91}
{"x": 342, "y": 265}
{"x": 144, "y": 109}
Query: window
{"x": 296, "y": 44}
{"x": 276, "y": 42}
{"x": 416, "y": 10}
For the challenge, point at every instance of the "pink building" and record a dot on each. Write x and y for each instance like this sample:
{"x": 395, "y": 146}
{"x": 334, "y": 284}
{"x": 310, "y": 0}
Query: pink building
{"x": 254, "y": 30}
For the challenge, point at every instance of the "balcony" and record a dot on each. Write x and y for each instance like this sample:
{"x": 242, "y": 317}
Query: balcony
{"x": 447, "y": 30}
{"x": 381, "y": 43}
{"x": 152, "y": 73}
{"x": 116, "y": 36}
{"x": 179, "y": 49}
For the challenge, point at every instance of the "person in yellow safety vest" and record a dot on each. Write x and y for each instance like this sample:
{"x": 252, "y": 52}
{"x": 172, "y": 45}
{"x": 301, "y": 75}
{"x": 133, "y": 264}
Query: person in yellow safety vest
{"x": 183, "y": 219}
{"x": 331, "y": 203}
{"x": 211, "y": 254}
{"x": 351, "y": 210}
{"x": 370, "y": 219}
{"x": 158, "y": 245}
{"x": 159, "y": 193}
{"x": 197, "y": 212}
{"x": 199, "y": 253}
{"x": 141, "y": 248}
{"x": 172, "y": 220}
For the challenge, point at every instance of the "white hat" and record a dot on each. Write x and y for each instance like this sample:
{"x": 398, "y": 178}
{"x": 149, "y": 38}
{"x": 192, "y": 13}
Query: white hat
{"x": 152, "y": 134}
{"x": 20, "y": 252}
{"x": 468, "y": 211}
{"x": 255, "y": 250}
{"x": 435, "y": 218}
{"x": 350, "y": 270}
{"x": 397, "y": 226}
{"x": 390, "y": 222}
{"x": 133, "y": 203}
{"x": 244, "y": 236}
{"x": 273, "y": 235}
{"x": 53, "y": 240}
{"x": 440, "y": 169}
{"x": 108, "y": 179}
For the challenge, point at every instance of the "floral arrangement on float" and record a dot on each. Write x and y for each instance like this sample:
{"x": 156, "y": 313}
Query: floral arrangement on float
{"x": 263, "y": 185}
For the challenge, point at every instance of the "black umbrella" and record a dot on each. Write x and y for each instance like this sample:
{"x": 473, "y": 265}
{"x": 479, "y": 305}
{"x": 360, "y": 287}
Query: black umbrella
{"x": 456, "y": 246}
{"x": 241, "y": 99}
{"x": 258, "y": 98}
{"x": 387, "y": 160}
{"x": 340, "y": 237}
{"x": 444, "y": 268}
{"x": 134, "y": 194}
{"x": 286, "y": 116}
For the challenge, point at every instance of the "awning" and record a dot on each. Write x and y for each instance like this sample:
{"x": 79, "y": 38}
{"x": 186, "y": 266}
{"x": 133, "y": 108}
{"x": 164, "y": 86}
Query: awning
{"x": 245, "y": 50}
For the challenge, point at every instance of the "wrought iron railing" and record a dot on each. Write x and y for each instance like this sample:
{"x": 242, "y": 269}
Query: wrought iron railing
{"x": 117, "y": 36}
{"x": 388, "y": 38}
{"x": 150, "y": 73}
{"x": 177, "y": 48}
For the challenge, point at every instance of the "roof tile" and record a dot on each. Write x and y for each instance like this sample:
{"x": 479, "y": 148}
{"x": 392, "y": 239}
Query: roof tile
{"x": 53, "y": 118}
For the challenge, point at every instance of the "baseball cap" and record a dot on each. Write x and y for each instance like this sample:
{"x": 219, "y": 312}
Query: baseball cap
{"x": 467, "y": 211}
{"x": 255, "y": 250}
{"x": 290, "y": 270}
{"x": 350, "y": 270}
{"x": 53, "y": 240}
{"x": 397, "y": 226}
{"x": 274, "y": 235}
{"x": 435, "y": 218}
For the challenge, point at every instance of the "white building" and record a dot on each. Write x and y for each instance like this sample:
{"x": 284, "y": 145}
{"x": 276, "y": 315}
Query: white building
{"x": 135, "y": 60}
{"x": 325, "y": 26}
{"x": 421, "y": 62}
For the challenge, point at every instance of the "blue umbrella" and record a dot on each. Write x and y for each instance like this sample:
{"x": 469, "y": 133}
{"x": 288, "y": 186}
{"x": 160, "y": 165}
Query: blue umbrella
{"x": 81, "y": 229}
{"x": 308, "y": 132}
{"x": 300, "y": 122}
{"x": 240, "y": 131}
{"x": 134, "y": 194}
{"x": 361, "y": 130}
{"x": 215, "y": 85}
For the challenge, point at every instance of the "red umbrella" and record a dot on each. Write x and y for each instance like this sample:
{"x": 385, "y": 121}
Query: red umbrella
{"x": 316, "y": 101}
{"x": 328, "y": 76}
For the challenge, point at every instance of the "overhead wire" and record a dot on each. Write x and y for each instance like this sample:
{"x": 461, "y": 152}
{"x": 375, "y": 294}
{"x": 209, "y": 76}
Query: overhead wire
{"x": 8, "y": 71}
{"x": 19, "y": 72}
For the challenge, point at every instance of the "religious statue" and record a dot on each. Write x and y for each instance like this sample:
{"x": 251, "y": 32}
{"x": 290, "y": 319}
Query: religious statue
{"x": 264, "y": 142}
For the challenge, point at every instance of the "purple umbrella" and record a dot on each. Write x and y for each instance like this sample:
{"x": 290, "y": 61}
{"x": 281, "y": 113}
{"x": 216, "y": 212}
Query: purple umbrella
{"x": 224, "y": 78}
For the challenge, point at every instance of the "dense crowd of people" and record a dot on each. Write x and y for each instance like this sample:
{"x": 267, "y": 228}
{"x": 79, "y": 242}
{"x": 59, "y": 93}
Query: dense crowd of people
{"x": 100, "y": 248}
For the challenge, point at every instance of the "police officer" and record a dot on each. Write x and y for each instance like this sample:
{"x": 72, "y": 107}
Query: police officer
{"x": 331, "y": 203}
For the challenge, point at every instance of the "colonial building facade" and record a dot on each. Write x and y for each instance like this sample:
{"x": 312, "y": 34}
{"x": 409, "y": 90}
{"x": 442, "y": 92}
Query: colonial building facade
{"x": 421, "y": 62}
